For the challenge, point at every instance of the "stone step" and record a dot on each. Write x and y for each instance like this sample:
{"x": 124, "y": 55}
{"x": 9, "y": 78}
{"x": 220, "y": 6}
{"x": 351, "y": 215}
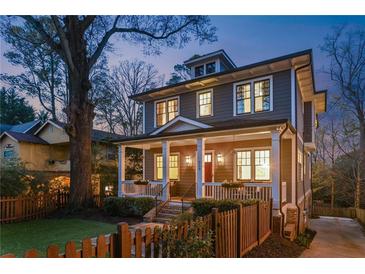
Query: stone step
{"x": 162, "y": 220}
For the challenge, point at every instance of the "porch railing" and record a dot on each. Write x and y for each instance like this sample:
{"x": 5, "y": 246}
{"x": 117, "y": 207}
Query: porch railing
{"x": 152, "y": 189}
{"x": 258, "y": 191}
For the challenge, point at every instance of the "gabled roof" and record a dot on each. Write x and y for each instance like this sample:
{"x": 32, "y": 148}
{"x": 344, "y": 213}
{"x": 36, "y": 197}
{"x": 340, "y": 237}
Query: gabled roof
{"x": 215, "y": 127}
{"x": 22, "y": 128}
{"x": 169, "y": 90}
{"x": 23, "y": 137}
{"x": 96, "y": 135}
{"x": 194, "y": 123}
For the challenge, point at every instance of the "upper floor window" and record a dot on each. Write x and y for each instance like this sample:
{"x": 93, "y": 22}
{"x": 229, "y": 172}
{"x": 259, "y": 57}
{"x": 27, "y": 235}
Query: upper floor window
{"x": 253, "y": 96}
{"x": 243, "y": 98}
{"x": 210, "y": 68}
{"x": 166, "y": 110}
{"x": 205, "y": 103}
{"x": 262, "y": 95}
{"x": 199, "y": 71}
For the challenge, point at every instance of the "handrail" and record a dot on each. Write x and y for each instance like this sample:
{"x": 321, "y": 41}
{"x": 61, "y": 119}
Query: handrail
{"x": 183, "y": 196}
{"x": 158, "y": 194}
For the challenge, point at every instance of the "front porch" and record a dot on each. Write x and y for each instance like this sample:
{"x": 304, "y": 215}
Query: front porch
{"x": 244, "y": 164}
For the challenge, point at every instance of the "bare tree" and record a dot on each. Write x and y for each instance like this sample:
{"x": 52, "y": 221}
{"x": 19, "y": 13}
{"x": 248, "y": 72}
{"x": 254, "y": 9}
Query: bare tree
{"x": 347, "y": 53}
{"x": 79, "y": 41}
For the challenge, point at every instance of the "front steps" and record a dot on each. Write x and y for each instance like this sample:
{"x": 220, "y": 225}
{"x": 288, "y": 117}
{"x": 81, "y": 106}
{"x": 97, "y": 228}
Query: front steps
{"x": 169, "y": 211}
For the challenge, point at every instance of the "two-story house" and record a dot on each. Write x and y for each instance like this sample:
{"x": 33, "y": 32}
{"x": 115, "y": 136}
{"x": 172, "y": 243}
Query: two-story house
{"x": 253, "y": 125}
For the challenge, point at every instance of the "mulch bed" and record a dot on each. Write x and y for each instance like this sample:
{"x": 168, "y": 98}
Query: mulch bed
{"x": 96, "y": 214}
{"x": 277, "y": 247}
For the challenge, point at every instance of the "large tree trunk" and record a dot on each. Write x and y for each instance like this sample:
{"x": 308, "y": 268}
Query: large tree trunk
{"x": 80, "y": 115}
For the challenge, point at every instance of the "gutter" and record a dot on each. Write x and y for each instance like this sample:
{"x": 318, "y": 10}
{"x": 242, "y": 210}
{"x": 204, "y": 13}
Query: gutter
{"x": 280, "y": 181}
{"x": 296, "y": 141}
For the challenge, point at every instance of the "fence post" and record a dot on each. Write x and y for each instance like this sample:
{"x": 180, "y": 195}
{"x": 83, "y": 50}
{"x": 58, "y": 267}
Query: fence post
{"x": 215, "y": 229}
{"x": 239, "y": 230}
{"x": 123, "y": 240}
{"x": 258, "y": 221}
{"x": 18, "y": 207}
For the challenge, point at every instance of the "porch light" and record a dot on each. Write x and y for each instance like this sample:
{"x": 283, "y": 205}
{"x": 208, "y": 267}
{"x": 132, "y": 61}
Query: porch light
{"x": 220, "y": 159}
{"x": 188, "y": 160}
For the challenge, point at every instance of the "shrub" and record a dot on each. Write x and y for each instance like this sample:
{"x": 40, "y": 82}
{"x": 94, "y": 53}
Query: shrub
{"x": 184, "y": 217}
{"x": 193, "y": 246}
{"x": 233, "y": 185}
{"x": 203, "y": 206}
{"x": 128, "y": 206}
{"x": 13, "y": 178}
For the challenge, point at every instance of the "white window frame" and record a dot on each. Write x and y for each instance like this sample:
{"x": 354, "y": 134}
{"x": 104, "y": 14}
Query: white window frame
{"x": 167, "y": 113}
{"x": 217, "y": 69}
{"x": 252, "y": 94}
{"x": 198, "y": 105}
{"x": 252, "y": 149}
{"x": 155, "y": 165}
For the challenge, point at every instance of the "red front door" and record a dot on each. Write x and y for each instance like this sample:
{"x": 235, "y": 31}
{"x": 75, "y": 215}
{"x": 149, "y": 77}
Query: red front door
{"x": 208, "y": 167}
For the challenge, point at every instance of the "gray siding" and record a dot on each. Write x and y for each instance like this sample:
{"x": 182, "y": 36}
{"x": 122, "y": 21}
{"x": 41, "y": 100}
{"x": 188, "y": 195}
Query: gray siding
{"x": 223, "y": 103}
{"x": 308, "y": 123}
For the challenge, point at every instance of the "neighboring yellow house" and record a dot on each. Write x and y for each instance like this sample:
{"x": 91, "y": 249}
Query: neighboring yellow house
{"x": 46, "y": 149}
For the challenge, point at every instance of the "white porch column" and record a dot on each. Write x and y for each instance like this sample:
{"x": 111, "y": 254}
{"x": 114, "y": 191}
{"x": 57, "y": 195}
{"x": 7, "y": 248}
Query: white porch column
{"x": 293, "y": 169}
{"x": 165, "y": 168}
{"x": 275, "y": 170}
{"x": 200, "y": 148}
{"x": 121, "y": 168}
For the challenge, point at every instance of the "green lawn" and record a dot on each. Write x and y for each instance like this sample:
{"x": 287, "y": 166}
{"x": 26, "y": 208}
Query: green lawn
{"x": 18, "y": 237}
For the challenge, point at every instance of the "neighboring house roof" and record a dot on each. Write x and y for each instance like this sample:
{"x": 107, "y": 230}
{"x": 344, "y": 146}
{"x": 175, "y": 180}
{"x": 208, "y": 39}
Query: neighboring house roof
{"x": 96, "y": 135}
{"x": 216, "y": 126}
{"x": 24, "y": 137}
{"x": 245, "y": 67}
{"x": 29, "y": 127}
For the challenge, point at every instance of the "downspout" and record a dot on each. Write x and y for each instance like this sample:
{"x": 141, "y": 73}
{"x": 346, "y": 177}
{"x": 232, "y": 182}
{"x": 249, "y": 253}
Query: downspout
{"x": 296, "y": 141}
{"x": 280, "y": 181}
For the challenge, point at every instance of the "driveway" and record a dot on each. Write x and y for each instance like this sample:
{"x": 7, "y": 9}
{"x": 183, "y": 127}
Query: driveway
{"x": 336, "y": 238}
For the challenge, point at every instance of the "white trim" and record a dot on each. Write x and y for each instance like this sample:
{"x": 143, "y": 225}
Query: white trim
{"x": 198, "y": 106}
{"x": 9, "y": 135}
{"x": 143, "y": 118}
{"x": 165, "y": 100}
{"x": 48, "y": 122}
{"x": 180, "y": 119}
{"x": 252, "y": 95}
{"x": 292, "y": 96}
{"x": 155, "y": 166}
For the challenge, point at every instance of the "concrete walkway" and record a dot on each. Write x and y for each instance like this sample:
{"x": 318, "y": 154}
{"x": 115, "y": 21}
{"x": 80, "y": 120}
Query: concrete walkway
{"x": 336, "y": 238}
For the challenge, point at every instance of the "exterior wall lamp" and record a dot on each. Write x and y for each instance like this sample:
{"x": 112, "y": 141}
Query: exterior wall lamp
{"x": 220, "y": 159}
{"x": 188, "y": 160}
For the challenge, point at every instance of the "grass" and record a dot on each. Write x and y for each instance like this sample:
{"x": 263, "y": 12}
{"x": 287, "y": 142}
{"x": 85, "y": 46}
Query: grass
{"x": 16, "y": 238}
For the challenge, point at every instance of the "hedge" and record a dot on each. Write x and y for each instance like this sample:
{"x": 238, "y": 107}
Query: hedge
{"x": 128, "y": 206}
{"x": 203, "y": 206}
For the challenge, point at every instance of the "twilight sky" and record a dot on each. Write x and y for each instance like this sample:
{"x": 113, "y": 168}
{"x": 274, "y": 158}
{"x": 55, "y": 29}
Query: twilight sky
{"x": 246, "y": 39}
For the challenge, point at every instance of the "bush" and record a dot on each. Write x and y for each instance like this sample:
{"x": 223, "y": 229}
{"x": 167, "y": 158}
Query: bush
{"x": 203, "y": 206}
{"x": 128, "y": 206}
{"x": 13, "y": 178}
{"x": 193, "y": 246}
{"x": 184, "y": 217}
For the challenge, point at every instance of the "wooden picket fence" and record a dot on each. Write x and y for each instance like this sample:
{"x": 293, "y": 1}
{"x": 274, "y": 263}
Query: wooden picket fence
{"x": 235, "y": 232}
{"x": 19, "y": 208}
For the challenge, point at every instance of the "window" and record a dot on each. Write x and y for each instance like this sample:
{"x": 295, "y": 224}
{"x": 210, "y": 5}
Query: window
{"x": 205, "y": 103}
{"x": 262, "y": 165}
{"x": 9, "y": 153}
{"x": 300, "y": 165}
{"x": 166, "y": 111}
{"x": 172, "y": 109}
{"x": 174, "y": 167}
{"x": 210, "y": 68}
{"x": 111, "y": 153}
{"x": 208, "y": 158}
{"x": 199, "y": 71}
{"x": 243, "y": 165}
{"x": 243, "y": 98}
{"x": 262, "y": 95}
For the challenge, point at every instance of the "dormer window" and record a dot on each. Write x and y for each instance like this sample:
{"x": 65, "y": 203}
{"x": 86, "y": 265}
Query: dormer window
{"x": 210, "y": 68}
{"x": 199, "y": 71}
